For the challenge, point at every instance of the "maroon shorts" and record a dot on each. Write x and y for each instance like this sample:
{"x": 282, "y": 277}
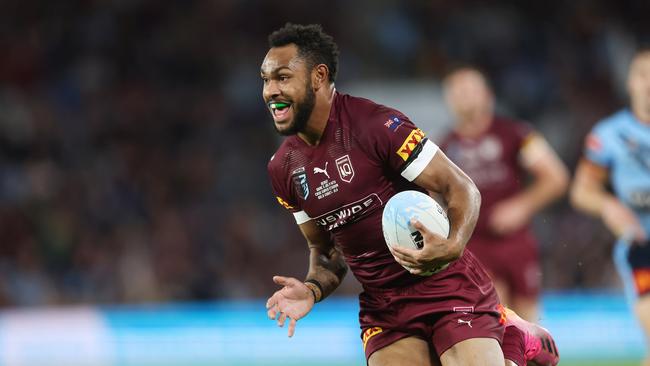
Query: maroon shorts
{"x": 514, "y": 261}
{"x": 448, "y": 307}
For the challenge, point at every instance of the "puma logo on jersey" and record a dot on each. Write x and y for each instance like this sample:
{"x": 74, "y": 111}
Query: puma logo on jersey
{"x": 323, "y": 171}
{"x": 468, "y": 322}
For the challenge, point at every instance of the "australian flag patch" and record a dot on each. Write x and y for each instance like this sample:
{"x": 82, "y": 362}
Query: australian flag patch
{"x": 393, "y": 123}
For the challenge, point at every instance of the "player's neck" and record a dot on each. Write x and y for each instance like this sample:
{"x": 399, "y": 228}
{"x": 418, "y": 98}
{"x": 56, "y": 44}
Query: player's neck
{"x": 642, "y": 115}
{"x": 317, "y": 122}
{"x": 475, "y": 127}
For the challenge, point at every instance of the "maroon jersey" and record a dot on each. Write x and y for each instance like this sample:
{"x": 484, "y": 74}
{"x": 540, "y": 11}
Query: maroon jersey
{"x": 368, "y": 153}
{"x": 492, "y": 161}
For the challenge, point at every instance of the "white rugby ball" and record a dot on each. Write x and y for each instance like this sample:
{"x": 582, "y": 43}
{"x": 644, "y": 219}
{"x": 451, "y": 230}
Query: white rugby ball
{"x": 397, "y": 215}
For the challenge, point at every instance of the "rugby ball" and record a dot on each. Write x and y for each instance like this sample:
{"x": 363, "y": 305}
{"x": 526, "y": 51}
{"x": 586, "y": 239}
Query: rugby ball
{"x": 397, "y": 215}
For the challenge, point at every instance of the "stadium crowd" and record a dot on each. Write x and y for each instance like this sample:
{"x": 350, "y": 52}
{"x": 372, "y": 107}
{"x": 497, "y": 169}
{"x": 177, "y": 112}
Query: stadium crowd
{"x": 134, "y": 140}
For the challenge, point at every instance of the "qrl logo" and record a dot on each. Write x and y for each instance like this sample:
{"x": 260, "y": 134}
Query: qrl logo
{"x": 344, "y": 166}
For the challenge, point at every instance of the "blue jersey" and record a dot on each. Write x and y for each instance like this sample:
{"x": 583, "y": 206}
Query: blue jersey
{"x": 621, "y": 144}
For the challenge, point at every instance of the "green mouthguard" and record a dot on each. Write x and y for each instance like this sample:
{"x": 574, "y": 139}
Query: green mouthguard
{"x": 279, "y": 105}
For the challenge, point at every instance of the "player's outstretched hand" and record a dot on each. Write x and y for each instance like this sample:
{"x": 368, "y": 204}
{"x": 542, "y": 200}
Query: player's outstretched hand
{"x": 509, "y": 216}
{"x": 430, "y": 258}
{"x": 294, "y": 300}
{"x": 622, "y": 221}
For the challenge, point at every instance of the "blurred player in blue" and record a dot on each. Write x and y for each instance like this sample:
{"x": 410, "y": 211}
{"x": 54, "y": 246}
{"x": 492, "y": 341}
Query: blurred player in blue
{"x": 617, "y": 153}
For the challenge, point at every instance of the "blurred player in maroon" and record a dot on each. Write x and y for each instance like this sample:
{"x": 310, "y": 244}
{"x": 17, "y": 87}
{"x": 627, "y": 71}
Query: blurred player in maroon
{"x": 499, "y": 154}
{"x": 343, "y": 158}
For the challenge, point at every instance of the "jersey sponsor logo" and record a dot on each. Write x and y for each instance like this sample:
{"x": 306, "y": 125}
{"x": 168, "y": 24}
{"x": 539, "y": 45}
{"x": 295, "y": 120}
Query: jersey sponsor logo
{"x": 393, "y": 123}
{"x": 344, "y": 166}
{"x": 299, "y": 178}
{"x": 349, "y": 213}
{"x": 642, "y": 280}
{"x": 284, "y": 203}
{"x": 411, "y": 141}
{"x": 369, "y": 333}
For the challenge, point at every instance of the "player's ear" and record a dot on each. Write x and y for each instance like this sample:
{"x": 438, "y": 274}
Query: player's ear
{"x": 320, "y": 76}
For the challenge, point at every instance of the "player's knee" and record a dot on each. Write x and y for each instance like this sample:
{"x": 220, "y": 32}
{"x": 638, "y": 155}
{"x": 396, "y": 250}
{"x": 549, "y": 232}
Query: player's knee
{"x": 406, "y": 351}
{"x": 642, "y": 309}
{"x": 474, "y": 352}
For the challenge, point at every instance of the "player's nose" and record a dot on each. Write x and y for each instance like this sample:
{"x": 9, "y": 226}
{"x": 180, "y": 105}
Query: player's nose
{"x": 271, "y": 90}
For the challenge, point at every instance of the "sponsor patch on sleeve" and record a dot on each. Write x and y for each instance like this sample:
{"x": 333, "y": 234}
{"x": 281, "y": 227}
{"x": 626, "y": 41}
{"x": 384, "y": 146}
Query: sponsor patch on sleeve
{"x": 369, "y": 333}
{"x": 284, "y": 203}
{"x": 411, "y": 141}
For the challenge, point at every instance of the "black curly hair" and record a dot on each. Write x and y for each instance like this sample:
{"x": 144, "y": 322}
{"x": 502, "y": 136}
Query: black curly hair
{"x": 314, "y": 45}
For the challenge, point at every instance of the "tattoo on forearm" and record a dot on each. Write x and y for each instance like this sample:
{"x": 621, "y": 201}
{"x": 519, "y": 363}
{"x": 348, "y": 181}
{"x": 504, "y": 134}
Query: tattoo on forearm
{"x": 327, "y": 270}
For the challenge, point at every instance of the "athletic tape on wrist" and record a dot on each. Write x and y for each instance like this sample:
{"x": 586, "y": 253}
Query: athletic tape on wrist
{"x": 320, "y": 288}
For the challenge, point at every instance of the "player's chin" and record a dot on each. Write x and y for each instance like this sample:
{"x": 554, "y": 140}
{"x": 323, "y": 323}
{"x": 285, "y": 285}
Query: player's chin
{"x": 284, "y": 127}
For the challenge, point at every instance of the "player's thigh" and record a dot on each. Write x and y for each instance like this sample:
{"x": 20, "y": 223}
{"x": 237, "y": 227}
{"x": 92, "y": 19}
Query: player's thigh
{"x": 503, "y": 290}
{"x": 474, "y": 352}
{"x": 526, "y": 307}
{"x": 406, "y": 351}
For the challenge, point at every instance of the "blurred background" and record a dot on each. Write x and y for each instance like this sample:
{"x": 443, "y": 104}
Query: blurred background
{"x": 134, "y": 143}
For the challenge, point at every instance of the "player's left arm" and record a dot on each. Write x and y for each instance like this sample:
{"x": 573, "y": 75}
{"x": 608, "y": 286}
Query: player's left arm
{"x": 442, "y": 177}
{"x": 550, "y": 182}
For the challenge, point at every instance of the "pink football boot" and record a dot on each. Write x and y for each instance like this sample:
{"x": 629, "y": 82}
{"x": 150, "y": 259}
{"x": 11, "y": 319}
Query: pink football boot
{"x": 540, "y": 349}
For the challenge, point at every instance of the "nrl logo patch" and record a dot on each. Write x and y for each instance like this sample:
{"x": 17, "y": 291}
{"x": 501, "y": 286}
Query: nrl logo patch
{"x": 299, "y": 178}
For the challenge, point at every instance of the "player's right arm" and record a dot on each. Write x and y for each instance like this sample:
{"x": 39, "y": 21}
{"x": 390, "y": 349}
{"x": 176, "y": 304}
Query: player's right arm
{"x": 550, "y": 181}
{"x": 326, "y": 271}
{"x": 326, "y": 265}
{"x": 589, "y": 195}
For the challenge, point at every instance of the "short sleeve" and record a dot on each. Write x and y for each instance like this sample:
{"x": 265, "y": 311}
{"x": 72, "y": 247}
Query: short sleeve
{"x": 392, "y": 139}
{"x": 284, "y": 195}
{"x": 532, "y": 145}
{"x": 595, "y": 149}
{"x": 525, "y": 134}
